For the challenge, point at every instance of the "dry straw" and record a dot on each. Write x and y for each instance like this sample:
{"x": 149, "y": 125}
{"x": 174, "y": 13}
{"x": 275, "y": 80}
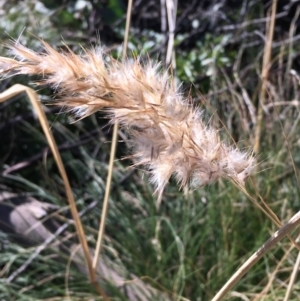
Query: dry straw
{"x": 166, "y": 133}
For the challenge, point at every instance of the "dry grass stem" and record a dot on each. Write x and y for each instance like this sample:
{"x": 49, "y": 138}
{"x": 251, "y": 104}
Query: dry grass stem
{"x": 264, "y": 249}
{"x": 264, "y": 75}
{"x": 272, "y": 277}
{"x": 171, "y": 6}
{"x": 292, "y": 279}
{"x": 166, "y": 134}
{"x": 112, "y": 154}
{"x": 33, "y": 97}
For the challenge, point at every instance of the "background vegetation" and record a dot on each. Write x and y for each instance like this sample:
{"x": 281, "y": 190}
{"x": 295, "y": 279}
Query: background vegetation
{"x": 193, "y": 243}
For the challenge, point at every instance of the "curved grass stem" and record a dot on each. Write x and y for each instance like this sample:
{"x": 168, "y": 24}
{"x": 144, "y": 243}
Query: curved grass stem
{"x": 34, "y": 99}
{"x": 264, "y": 249}
{"x": 112, "y": 154}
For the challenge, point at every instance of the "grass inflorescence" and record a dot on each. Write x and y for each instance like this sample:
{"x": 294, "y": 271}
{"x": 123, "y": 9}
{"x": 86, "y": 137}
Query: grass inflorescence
{"x": 166, "y": 134}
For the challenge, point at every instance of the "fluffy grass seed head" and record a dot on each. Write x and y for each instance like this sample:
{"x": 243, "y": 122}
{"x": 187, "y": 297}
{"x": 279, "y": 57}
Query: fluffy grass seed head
{"x": 166, "y": 134}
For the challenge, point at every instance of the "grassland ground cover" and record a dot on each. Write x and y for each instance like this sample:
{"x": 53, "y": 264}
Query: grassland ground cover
{"x": 194, "y": 242}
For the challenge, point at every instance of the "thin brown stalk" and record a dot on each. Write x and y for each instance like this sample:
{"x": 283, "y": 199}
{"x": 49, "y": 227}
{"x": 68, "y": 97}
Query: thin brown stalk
{"x": 163, "y": 22}
{"x": 264, "y": 75}
{"x": 112, "y": 153}
{"x": 292, "y": 31}
{"x": 267, "y": 210}
{"x": 260, "y": 296}
{"x": 33, "y": 97}
{"x": 292, "y": 279}
{"x": 171, "y": 14}
{"x": 264, "y": 249}
{"x": 288, "y": 69}
{"x": 246, "y": 97}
